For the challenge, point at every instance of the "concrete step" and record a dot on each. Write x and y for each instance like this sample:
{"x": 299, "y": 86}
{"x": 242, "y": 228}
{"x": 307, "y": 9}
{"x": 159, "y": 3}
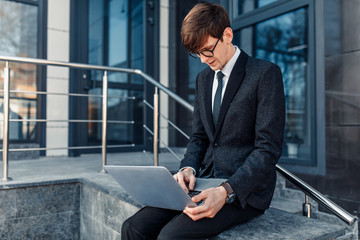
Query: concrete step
{"x": 278, "y": 224}
{"x": 288, "y": 205}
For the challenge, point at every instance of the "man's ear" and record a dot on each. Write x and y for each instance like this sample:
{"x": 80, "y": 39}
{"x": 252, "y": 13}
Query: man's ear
{"x": 228, "y": 35}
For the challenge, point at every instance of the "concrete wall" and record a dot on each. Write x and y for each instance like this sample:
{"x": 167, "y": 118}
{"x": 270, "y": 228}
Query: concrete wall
{"x": 61, "y": 211}
{"x": 102, "y": 215}
{"x": 57, "y": 107}
{"x": 164, "y": 70}
{"x": 44, "y": 212}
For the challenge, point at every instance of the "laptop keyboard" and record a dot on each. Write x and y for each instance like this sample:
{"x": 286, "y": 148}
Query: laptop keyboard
{"x": 194, "y": 193}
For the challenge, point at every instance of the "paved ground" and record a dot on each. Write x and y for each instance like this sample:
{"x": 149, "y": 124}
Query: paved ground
{"x": 54, "y": 168}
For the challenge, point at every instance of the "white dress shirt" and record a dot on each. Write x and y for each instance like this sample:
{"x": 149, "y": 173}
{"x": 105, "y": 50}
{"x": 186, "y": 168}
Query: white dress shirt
{"x": 226, "y": 71}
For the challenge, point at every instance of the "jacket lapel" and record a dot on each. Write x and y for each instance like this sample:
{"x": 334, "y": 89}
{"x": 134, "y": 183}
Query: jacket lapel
{"x": 235, "y": 79}
{"x": 208, "y": 98}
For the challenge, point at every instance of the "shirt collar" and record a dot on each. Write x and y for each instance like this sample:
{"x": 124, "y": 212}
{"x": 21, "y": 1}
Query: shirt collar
{"x": 230, "y": 65}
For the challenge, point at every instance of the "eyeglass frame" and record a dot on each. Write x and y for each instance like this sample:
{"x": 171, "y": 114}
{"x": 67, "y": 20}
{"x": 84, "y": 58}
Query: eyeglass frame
{"x": 197, "y": 55}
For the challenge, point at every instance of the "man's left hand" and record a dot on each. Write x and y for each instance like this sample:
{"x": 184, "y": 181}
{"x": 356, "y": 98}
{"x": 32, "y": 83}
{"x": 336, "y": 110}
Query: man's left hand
{"x": 213, "y": 200}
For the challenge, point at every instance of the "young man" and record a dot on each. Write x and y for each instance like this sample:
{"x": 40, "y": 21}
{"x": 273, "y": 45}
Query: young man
{"x": 238, "y": 126}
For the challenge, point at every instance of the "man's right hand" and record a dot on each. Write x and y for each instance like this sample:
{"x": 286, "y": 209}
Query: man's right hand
{"x": 186, "y": 178}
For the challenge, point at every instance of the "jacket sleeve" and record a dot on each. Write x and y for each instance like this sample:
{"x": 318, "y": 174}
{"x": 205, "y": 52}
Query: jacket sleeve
{"x": 259, "y": 166}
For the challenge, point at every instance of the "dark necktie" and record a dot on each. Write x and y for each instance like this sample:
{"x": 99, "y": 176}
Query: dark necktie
{"x": 217, "y": 98}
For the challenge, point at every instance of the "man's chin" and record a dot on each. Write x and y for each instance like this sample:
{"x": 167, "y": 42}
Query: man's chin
{"x": 215, "y": 68}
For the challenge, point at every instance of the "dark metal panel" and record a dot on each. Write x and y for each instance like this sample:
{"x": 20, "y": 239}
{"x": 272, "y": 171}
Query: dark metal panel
{"x": 151, "y": 59}
{"x": 41, "y": 73}
{"x": 78, "y": 53}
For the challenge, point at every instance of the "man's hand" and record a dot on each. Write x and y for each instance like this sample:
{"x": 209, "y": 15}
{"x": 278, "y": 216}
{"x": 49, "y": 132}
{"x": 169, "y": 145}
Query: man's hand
{"x": 213, "y": 200}
{"x": 184, "y": 177}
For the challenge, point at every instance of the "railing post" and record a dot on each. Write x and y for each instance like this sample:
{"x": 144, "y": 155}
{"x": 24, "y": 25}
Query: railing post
{"x": 104, "y": 121}
{"x": 307, "y": 207}
{"x": 156, "y": 127}
{"x": 6, "y": 122}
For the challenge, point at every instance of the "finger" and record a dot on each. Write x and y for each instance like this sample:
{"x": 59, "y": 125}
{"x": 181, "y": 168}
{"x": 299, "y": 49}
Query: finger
{"x": 182, "y": 182}
{"x": 192, "y": 181}
{"x": 195, "y": 217}
{"x": 199, "y": 197}
{"x": 196, "y": 210}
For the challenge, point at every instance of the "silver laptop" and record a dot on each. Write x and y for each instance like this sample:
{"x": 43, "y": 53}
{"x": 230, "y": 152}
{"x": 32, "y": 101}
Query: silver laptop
{"x": 156, "y": 187}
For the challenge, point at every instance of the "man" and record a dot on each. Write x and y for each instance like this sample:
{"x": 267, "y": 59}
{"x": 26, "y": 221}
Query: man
{"x": 238, "y": 126}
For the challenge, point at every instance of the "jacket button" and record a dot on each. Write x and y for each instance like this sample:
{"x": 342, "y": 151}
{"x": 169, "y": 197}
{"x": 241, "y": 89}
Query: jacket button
{"x": 216, "y": 144}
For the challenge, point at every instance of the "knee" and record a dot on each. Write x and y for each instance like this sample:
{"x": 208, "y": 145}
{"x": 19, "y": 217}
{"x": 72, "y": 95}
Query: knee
{"x": 167, "y": 234}
{"x": 130, "y": 230}
{"x": 126, "y": 228}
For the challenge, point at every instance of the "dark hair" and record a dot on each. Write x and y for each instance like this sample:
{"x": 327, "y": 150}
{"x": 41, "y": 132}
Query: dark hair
{"x": 203, "y": 20}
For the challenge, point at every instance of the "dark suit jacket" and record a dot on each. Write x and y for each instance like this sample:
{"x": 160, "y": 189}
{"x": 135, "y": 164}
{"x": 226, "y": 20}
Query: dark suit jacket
{"x": 247, "y": 141}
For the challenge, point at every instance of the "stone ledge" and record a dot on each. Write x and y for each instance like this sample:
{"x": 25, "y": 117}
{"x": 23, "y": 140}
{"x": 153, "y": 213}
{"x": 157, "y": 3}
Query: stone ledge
{"x": 278, "y": 224}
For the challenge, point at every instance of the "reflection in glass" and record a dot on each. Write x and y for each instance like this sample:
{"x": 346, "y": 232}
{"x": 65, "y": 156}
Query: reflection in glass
{"x": 119, "y": 110}
{"x": 118, "y": 33}
{"x": 96, "y": 32}
{"x": 283, "y": 40}
{"x": 261, "y": 3}
{"x": 19, "y": 37}
{"x": 121, "y": 43}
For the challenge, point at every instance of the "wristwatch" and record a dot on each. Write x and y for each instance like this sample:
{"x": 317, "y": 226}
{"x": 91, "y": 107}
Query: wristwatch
{"x": 231, "y": 195}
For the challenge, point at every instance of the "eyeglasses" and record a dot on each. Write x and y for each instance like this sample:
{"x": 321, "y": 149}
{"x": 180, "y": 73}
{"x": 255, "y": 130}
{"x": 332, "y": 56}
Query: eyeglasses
{"x": 206, "y": 53}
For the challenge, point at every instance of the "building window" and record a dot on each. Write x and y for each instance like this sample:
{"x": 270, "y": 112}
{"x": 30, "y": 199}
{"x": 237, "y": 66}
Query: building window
{"x": 280, "y": 34}
{"x": 19, "y": 37}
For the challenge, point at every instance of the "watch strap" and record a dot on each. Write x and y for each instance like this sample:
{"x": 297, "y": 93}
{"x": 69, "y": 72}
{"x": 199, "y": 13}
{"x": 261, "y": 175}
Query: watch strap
{"x": 227, "y": 187}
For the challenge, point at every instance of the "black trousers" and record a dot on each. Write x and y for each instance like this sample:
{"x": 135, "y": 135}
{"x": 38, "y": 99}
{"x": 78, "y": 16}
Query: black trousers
{"x": 157, "y": 223}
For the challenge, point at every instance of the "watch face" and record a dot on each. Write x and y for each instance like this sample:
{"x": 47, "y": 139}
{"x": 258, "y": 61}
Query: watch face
{"x": 230, "y": 198}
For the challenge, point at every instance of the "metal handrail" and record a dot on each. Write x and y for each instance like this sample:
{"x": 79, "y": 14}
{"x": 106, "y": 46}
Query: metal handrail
{"x": 7, "y": 91}
{"x": 68, "y": 148}
{"x": 69, "y": 121}
{"x": 68, "y": 94}
{"x": 170, "y": 122}
{"x": 317, "y": 196}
